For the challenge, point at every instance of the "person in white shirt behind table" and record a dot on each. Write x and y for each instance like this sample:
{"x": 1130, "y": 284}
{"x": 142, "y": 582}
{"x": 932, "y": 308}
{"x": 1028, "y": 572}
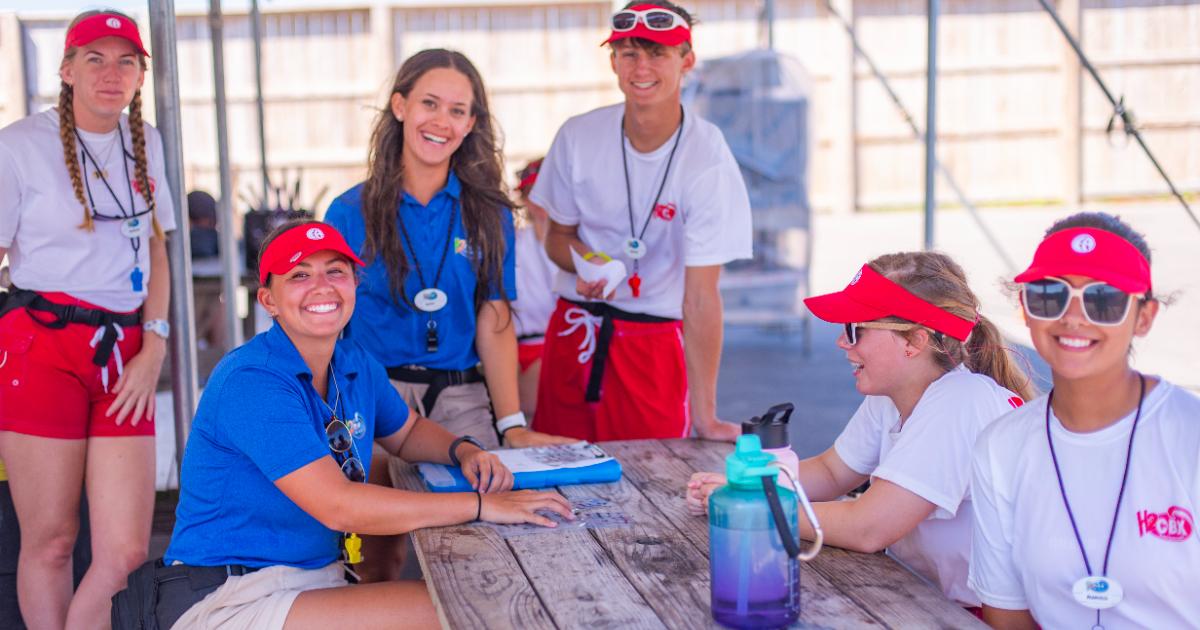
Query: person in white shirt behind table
{"x": 1086, "y": 498}
{"x": 935, "y": 373}
{"x": 648, "y": 183}
{"x": 535, "y": 287}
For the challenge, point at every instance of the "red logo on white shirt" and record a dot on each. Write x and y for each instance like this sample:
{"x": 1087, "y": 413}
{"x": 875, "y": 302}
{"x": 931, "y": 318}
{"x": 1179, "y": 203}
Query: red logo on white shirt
{"x": 665, "y": 211}
{"x": 1175, "y": 524}
{"x": 1015, "y": 401}
{"x": 137, "y": 184}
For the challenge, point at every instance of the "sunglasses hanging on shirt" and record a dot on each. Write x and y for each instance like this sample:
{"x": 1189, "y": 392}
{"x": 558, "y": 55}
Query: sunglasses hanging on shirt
{"x": 340, "y": 440}
{"x": 134, "y": 225}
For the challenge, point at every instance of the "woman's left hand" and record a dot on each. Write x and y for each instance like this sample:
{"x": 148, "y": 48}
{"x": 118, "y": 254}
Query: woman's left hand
{"x": 520, "y": 437}
{"x": 136, "y": 387}
{"x": 485, "y": 473}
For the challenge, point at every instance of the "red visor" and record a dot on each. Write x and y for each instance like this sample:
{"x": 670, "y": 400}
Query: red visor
{"x": 1090, "y": 252}
{"x": 870, "y": 296}
{"x": 529, "y": 176}
{"x": 93, "y": 27}
{"x": 288, "y": 249}
{"x": 674, "y": 37}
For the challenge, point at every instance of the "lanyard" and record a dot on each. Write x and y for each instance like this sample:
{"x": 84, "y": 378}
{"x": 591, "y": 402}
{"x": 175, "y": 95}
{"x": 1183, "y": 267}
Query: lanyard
{"x": 127, "y": 217}
{"x": 431, "y": 336}
{"x": 1124, "y": 478}
{"x": 635, "y": 281}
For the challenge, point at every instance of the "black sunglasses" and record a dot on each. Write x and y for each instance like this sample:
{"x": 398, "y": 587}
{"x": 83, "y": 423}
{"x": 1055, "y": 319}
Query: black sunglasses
{"x": 852, "y": 328}
{"x": 341, "y": 442}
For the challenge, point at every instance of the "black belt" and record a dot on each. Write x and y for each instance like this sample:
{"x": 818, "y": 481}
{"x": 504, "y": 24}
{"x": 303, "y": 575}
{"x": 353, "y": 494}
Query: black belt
{"x": 437, "y": 380}
{"x": 530, "y": 337}
{"x": 72, "y": 314}
{"x": 607, "y": 314}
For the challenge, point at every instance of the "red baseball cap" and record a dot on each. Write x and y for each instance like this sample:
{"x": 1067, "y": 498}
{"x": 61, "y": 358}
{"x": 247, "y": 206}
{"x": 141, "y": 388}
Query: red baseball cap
{"x": 871, "y": 296}
{"x": 287, "y": 250}
{"x": 1090, "y": 252}
{"x": 673, "y": 37}
{"x": 93, "y": 27}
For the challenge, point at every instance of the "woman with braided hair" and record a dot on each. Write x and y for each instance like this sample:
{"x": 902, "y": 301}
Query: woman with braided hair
{"x": 82, "y": 331}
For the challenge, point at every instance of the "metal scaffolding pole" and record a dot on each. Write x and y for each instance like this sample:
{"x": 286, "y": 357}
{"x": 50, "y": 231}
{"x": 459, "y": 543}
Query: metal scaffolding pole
{"x": 230, "y": 276}
{"x": 183, "y": 324}
{"x": 256, "y": 35}
{"x": 931, "y": 122}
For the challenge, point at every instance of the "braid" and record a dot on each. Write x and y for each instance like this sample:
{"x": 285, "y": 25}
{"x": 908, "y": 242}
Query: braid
{"x": 66, "y": 131}
{"x": 137, "y": 132}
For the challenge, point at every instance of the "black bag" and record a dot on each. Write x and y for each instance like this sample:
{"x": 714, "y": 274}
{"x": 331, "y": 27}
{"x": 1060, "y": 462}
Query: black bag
{"x": 157, "y": 595}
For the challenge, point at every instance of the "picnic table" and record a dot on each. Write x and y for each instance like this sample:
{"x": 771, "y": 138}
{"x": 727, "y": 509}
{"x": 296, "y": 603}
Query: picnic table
{"x": 652, "y": 573}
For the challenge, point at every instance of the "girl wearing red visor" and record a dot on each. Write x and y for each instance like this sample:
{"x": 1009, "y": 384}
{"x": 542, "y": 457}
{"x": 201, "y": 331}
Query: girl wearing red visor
{"x": 274, "y": 495}
{"x": 1086, "y": 498}
{"x": 934, "y": 373}
{"x": 83, "y": 334}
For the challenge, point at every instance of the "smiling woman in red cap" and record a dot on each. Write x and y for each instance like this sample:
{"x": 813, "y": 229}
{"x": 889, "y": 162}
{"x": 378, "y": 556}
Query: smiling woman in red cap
{"x": 934, "y": 373}
{"x": 1086, "y": 498}
{"x": 82, "y": 218}
{"x": 274, "y": 493}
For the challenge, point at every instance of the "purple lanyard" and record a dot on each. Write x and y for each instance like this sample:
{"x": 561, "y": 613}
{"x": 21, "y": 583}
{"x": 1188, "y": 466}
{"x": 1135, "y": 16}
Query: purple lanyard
{"x": 1124, "y": 478}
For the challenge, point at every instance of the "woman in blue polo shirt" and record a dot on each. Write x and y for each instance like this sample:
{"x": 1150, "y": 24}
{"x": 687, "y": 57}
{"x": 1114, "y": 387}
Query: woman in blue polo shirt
{"x": 262, "y": 496}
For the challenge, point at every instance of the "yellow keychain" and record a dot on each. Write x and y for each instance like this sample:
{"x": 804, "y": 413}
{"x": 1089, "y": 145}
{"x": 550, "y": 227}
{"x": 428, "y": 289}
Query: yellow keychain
{"x": 353, "y": 548}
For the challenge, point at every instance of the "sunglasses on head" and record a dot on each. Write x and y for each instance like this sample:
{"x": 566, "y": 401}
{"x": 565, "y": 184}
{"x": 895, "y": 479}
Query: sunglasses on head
{"x": 1103, "y": 304}
{"x": 341, "y": 442}
{"x": 852, "y": 328}
{"x": 654, "y": 19}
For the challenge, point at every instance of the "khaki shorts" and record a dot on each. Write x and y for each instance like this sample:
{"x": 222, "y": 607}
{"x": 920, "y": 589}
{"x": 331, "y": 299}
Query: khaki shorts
{"x": 259, "y": 600}
{"x": 461, "y": 409}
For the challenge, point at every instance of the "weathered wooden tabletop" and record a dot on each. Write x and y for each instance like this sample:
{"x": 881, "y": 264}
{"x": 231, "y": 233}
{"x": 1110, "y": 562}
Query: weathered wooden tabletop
{"x": 653, "y": 573}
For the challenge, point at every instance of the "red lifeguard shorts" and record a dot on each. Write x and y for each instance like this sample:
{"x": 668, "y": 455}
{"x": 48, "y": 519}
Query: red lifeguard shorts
{"x": 49, "y": 386}
{"x": 529, "y": 352}
{"x": 643, "y": 393}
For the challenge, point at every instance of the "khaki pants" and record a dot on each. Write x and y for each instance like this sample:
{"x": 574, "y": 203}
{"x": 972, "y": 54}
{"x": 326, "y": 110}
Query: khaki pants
{"x": 461, "y": 409}
{"x": 259, "y": 600}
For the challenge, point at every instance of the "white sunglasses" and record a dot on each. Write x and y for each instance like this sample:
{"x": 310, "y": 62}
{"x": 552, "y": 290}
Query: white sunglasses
{"x": 654, "y": 19}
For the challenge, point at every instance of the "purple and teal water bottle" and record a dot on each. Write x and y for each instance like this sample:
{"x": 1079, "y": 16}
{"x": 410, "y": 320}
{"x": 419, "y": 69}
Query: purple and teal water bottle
{"x": 754, "y": 551}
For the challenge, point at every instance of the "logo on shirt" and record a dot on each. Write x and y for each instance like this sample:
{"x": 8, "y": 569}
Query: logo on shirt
{"x": 1175, "y": 524}
{"x": 665, "y": 211}
{"x": 137, "y": 185}
{"x": 1083, "y": 244}
{"x": 1015, "y": 401}
{"x": 463, "y": 248}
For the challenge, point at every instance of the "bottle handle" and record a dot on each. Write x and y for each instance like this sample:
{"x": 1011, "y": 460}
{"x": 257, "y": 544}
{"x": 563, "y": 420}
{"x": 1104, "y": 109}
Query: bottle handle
{"x": 801, "y": 501}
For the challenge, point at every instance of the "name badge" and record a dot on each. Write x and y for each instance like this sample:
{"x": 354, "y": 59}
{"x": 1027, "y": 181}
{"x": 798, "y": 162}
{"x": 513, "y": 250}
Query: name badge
{"x": 430, "y": 300}
{"x": 1098, "y": 592}
{"x": 133, "y": 228}
{"x": 635, "y": 248}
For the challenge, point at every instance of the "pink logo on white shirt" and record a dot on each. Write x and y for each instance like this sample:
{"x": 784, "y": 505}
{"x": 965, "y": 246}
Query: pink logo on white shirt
{"x": 1015, "y": 401}
{"x": 1175, "y": 524}
{"x": 137, "y": 184}
{"x": 665, "y": 211}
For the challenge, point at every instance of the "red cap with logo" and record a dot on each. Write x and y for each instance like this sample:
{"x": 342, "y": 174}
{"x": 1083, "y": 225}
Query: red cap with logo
{"x": 1091, "y": 252}
{"x": 287, "y": 250}
{"x": 680, "y": 33}
{"x": 871, "y": 296}
{"x": 93, "y": 27}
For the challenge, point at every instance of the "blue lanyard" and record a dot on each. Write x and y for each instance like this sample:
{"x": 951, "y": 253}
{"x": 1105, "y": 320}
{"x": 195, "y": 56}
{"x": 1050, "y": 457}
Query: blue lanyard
{"x": 1124, "y": 478}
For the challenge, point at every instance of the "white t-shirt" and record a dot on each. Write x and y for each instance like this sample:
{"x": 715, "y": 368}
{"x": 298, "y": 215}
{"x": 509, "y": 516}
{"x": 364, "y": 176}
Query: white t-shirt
{"x": 40, "y": 216}
{"x": 1025, "y": 554}
{"x": 930, "y": 456}
{"x": 702, "y": 217}
{"x": 535, "y": 284}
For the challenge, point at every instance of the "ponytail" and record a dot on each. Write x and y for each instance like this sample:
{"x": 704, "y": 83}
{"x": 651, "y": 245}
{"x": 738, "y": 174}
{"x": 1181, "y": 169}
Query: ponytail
{"x": 66, "y": 133}
{"x": 986, "y": 354}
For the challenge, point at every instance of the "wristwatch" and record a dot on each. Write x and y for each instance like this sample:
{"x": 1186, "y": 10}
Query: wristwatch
{"x": 457, "y": 441}
{"x": 160, "y": 327}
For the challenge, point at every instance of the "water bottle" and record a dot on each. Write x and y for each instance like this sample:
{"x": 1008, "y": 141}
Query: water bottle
{"x": 754, "y": 552}
{"x": 772, "y": 429}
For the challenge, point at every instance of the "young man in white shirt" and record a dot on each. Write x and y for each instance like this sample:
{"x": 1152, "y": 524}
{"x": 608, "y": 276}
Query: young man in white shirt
{"x": 651, "y": 185}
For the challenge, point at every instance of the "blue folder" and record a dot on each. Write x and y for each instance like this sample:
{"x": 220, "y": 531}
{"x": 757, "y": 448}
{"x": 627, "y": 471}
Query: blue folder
{"x": 446, "y": 478}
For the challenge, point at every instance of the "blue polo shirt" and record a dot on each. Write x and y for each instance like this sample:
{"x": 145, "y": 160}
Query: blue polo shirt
{"x": 260, "y": 419}
{"x": 388, "y": 328}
